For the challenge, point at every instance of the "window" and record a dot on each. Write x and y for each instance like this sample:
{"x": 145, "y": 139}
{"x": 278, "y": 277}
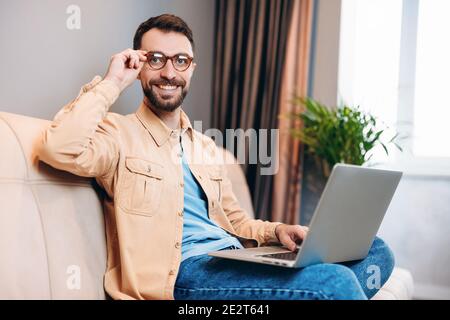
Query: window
{"x": 431, "y": 101}
{"x": 394, "y": 59}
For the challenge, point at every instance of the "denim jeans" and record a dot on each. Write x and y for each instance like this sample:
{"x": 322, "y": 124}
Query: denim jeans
{"x": 203, "y": 278}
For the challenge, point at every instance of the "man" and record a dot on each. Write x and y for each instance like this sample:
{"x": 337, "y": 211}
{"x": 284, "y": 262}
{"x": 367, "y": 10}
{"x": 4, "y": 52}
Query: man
{"x": 168, "y": 200}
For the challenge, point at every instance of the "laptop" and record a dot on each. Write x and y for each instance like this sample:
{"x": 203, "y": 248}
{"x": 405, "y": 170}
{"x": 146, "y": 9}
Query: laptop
{"x": 344, "y": 225}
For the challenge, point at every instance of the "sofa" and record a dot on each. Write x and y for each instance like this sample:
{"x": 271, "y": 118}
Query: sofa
{"x": 52, "y": 234}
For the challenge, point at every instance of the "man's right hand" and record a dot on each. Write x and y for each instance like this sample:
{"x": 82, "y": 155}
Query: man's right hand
{"x": 125, "y": 66}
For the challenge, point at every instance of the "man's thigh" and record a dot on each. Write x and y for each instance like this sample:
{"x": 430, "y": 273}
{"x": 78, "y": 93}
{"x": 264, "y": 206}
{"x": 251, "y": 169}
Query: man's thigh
{"x": 205, "y": 277}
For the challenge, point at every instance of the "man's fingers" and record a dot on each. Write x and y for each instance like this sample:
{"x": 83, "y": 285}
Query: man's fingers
{"x": 142, "y": 55}
{"x": 291, "y": 234}
{"x": 135, "y": 61}
{"x": 299, "y": 232}
{"x": 141, "y": 64}
{"x": 139, "y": 55}
{"x": 132, "y": 58}
{"x": 288, "y": 242}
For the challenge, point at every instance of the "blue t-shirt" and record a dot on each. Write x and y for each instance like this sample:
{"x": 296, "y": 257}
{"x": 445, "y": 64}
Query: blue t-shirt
{"x": 200, "y": 234}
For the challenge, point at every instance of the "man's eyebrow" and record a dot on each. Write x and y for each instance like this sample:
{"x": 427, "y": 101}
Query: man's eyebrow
{"x": 183, "y": 54}
{"x": 176, "y": 54}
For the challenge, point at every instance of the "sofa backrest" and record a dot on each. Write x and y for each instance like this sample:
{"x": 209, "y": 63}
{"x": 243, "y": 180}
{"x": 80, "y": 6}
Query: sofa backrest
{"x": 52, "y": 237}
{"x": 238, "y": 182}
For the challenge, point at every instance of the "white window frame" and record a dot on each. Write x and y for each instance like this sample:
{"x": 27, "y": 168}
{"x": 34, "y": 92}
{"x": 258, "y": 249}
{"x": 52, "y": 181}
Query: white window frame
{"x": 406, "y": 161}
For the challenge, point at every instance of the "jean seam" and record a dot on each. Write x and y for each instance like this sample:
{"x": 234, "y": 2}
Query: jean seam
{"x": 317, "y": 293}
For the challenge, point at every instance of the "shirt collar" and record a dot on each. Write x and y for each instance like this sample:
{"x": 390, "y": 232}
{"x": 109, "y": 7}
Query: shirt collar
{"x": 157, "y": 128}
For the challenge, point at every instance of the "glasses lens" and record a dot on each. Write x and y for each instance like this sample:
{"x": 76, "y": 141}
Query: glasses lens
{"x": 156, "y": 60}
{"x": 181, "y": 62}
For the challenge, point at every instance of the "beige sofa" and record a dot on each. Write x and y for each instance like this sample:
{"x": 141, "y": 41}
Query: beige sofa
{"x": 52, "y": 237}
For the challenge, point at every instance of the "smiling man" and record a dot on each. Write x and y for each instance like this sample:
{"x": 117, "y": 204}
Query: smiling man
{"x": 168, "y": 200}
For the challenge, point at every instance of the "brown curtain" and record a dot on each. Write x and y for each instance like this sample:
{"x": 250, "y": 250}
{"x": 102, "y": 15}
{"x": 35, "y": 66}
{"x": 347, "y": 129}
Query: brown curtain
{"x": 288, "y": 180}
{"x": 253, "y": 39}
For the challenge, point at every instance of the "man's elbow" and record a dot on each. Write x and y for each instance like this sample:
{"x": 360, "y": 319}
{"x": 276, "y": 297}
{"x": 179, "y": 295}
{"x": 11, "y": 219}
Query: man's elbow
{"x": 47, "y": 153}
{"x": 55, "y": 155}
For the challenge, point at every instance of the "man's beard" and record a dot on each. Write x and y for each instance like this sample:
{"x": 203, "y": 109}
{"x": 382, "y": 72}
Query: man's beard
{"x": 159, "y": 102}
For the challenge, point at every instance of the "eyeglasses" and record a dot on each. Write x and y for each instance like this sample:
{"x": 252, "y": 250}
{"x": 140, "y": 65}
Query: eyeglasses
{"x": 158, "y": 60}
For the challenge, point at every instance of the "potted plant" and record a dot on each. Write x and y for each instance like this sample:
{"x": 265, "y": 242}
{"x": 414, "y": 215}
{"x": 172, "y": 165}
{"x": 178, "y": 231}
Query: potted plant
{"x": 333, "y": 135}
{"x": 339, "y": 135}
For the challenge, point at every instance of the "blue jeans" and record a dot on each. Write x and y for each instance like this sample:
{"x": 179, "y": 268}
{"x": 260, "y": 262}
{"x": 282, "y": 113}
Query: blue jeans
{"x": 203, "y": 277}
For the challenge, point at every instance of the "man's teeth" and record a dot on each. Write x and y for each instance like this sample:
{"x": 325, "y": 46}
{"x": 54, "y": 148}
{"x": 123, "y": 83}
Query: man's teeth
{"x": 167, "y": 87}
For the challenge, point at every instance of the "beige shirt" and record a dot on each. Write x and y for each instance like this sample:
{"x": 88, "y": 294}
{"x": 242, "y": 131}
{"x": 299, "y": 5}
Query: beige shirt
{"x": 136, "y": 159}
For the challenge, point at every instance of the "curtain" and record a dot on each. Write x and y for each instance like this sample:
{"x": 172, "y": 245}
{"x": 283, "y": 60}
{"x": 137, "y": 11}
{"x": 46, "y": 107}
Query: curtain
{"x": 253, "y": 42}
{"x": 296, "y": 76}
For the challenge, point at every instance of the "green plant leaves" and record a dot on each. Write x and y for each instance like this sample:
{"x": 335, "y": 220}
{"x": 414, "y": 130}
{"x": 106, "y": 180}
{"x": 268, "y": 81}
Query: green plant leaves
{"x": 339, "y": 135}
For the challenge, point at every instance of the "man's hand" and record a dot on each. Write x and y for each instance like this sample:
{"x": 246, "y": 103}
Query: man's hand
{"x": 125, "y": 66}
{"x": 290, "y": 235}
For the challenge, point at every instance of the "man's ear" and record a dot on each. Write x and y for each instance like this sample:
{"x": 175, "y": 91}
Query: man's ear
{"x": 193, "y": 66}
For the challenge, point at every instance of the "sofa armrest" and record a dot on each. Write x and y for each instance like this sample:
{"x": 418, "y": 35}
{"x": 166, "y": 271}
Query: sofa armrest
{"x": 400, "y": 286}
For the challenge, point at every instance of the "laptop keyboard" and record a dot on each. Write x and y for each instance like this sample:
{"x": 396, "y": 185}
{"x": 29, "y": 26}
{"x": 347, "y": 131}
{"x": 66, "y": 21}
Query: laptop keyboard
{"x": 282, "y": 256}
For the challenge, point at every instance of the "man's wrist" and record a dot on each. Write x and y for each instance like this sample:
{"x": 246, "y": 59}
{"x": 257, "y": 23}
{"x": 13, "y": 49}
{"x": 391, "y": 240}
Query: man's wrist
{"x": 277, "y": 230}
{"x": 114, "y": 80}
{"x": 108, "y": 89}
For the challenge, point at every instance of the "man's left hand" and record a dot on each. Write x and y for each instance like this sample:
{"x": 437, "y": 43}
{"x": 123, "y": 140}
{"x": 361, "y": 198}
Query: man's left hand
{"x": 290, "y": 235}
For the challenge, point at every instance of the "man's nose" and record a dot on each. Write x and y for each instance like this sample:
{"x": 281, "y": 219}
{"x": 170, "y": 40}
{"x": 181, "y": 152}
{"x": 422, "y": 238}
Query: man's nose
{"x": 168, "y": 72}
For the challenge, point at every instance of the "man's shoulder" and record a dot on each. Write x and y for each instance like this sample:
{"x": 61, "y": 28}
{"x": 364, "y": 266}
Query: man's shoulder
{"x": 120, "y": 119}
{"x": 119, "y": 124}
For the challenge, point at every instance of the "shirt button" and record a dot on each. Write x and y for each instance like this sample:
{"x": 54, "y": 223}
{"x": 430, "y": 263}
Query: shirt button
{"x": 181, "y": 184}
{"x": 149, "y": 169}
{"x": 177, "y": 245}
{"x": 180, "y": 213}
{"x": 212, "y": 203}
{"x": 171, "y": 272}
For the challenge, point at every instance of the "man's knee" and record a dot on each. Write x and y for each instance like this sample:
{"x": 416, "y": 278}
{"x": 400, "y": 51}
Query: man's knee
{"x": 339, "y": 282}
{"x": 382, "y": 255}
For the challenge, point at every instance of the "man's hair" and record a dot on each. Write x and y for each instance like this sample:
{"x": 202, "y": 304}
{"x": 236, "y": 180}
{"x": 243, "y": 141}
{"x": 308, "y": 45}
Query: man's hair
{"x": 164, "y": 22}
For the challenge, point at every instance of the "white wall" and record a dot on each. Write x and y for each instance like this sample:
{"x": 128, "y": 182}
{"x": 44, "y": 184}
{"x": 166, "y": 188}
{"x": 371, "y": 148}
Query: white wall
{"x": 44, "y": 63}
{"x": 416, "y": 227}
{"x": 326, "y": 59}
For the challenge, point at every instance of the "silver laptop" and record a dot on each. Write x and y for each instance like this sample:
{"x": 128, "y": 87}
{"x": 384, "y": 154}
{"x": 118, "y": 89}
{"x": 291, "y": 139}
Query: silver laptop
{"x": 344, "y": 224}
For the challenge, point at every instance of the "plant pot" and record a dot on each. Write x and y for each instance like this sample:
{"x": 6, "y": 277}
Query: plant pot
{"x": 314, "y": 181}
{"x": 323, "y": 166}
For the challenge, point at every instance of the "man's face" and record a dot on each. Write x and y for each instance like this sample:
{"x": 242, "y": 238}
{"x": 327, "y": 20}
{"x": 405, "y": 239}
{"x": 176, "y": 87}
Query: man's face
{"x": 176, "y": 83}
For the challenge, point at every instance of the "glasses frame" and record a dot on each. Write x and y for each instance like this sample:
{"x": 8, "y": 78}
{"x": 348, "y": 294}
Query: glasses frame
{"x": 167, "y": 58}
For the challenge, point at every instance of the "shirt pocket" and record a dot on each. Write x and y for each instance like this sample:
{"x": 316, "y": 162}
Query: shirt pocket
{"x": 143, "y": 184}
{"x": 216, "y": 182}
